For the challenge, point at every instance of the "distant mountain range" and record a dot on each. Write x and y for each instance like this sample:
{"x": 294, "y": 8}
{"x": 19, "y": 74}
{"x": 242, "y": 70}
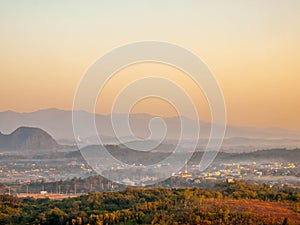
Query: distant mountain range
{"x": 58, "y": 123}
{"x": 137, "y": 157}
{"x": 27, "y": 138}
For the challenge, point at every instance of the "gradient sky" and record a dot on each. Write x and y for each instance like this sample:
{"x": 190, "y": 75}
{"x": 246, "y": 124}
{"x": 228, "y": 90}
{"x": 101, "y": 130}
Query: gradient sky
{"x": 252, "y": 47}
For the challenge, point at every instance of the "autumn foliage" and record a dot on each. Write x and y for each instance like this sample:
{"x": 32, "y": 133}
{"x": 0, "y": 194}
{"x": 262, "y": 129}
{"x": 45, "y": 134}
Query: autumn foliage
{"x": 237, "y": 203}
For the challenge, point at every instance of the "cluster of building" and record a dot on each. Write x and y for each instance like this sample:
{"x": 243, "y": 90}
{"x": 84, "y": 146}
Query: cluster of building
{"x": 273, "y": 172}
{"x": 28, "y": 171}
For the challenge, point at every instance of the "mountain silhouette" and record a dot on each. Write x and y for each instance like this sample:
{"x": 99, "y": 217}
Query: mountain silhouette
{"x": 58, "y": 123}
{"x": 27, "y": 138}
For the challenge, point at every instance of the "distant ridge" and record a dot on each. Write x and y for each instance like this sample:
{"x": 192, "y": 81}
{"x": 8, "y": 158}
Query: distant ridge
{"x": 58, "y": 123}
{"x": 27, "y": 138}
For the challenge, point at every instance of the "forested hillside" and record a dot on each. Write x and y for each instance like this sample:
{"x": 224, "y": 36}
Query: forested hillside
{"x": 236, "y": 203}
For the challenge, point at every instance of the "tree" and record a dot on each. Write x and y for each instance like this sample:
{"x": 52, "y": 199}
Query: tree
{"x": 285, "y": 221}
{"x": 55, "y": 216}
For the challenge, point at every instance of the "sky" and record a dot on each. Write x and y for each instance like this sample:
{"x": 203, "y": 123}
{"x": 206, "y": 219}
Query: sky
{"x": 251, "y": 47}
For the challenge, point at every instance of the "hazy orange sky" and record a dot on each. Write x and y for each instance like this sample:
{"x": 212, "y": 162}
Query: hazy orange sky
{"x": 252, "y": 47}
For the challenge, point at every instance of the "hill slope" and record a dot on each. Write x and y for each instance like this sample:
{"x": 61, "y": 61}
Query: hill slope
{"x": 27, "y": 138}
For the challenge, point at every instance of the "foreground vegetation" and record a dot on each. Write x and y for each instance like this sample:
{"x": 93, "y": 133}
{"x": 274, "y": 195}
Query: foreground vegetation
{"x": 236, "y": 203}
